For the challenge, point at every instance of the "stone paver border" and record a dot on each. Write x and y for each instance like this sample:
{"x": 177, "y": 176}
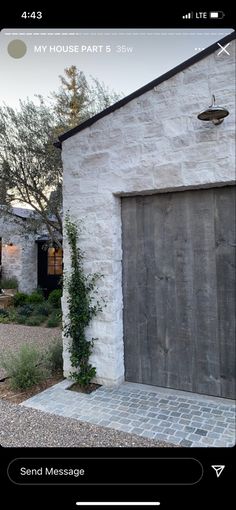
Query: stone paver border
{"x": 182, "y": 418}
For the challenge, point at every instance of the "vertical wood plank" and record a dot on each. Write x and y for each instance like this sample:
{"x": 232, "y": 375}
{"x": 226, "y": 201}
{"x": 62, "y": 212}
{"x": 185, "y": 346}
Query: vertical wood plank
{"x": 179, "y": 290}
{"x": 225, "y": 244}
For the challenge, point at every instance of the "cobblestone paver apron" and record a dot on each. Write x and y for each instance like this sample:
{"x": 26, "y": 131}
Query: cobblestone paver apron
{"x": 177, "y": 417}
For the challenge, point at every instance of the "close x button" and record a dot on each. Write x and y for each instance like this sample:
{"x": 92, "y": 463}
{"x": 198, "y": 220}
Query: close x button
{"x": 105, "y": 471}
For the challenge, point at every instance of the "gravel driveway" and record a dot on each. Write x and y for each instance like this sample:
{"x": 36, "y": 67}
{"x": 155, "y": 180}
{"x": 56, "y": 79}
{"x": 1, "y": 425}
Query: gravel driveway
{"x": 12, "y": 336}
{"x": 27, "y": 427}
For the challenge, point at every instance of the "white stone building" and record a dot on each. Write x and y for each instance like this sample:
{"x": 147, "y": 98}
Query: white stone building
{"x": 18, "y": 250}
{"x": 23, "y": 255}
{"x": 147, "y": 177}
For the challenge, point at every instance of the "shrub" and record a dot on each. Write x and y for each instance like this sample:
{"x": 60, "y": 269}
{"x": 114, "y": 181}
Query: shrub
{"x": 57, "y": 313}
{"x": 12, "y": 314}
{"x": 54, "y": 298}
{"x": 42, "y": 309}
{"x": 20, "y": 319}
{"x": 4, "y": 320}
{"x": 54, "y": 356}
{"x": 35, "y": 320}
{"x": 35, "y": 297}
{"x": 53, "y": 321}
{"x": 9, "y": 283}
{"x": 25, "y": 310}
{"x": 19, "y": 299}
{"x": 23, "y": 368}
{"x": 4, "y": 316}
{"x": 39, "y": 290}
{"x": 4, "y": 313}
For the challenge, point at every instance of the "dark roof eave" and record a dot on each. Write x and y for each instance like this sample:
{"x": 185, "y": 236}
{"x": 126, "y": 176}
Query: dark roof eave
{"x": 181, "y": 67}
{"x": 45, "y": 238}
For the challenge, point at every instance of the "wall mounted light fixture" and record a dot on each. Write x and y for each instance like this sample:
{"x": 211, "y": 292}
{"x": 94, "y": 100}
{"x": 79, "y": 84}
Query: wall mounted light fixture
{"x": 213, "y": 113}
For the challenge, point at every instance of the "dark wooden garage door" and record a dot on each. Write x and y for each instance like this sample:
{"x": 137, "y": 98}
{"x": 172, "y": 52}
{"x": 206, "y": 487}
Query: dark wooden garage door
{"x": 179, "y": 290}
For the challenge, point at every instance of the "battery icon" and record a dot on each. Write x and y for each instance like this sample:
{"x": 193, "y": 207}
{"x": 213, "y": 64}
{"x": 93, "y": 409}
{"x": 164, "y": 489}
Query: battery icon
{"x": 217, "y": 14}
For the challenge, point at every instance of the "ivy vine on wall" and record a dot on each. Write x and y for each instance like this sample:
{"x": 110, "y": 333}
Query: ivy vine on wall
{"x": 82, "y": 307}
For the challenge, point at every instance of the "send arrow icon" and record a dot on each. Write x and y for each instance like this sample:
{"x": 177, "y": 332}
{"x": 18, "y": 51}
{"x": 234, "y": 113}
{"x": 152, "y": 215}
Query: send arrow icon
{"x": 218, "y": 470}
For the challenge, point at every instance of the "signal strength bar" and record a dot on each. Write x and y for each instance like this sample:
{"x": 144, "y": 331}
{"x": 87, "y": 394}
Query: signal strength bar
{"x": 188, "y": 16}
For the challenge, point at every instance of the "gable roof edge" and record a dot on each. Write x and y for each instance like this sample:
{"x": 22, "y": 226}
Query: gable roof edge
{"x": 149, "y": 86}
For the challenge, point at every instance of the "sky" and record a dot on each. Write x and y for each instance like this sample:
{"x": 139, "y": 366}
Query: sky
{"x": 123, "y": 59}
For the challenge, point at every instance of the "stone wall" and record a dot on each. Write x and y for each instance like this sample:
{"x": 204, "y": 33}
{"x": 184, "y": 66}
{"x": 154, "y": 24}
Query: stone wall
{"x": 153, "y": 144}
{"x": 20, "y": 259}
